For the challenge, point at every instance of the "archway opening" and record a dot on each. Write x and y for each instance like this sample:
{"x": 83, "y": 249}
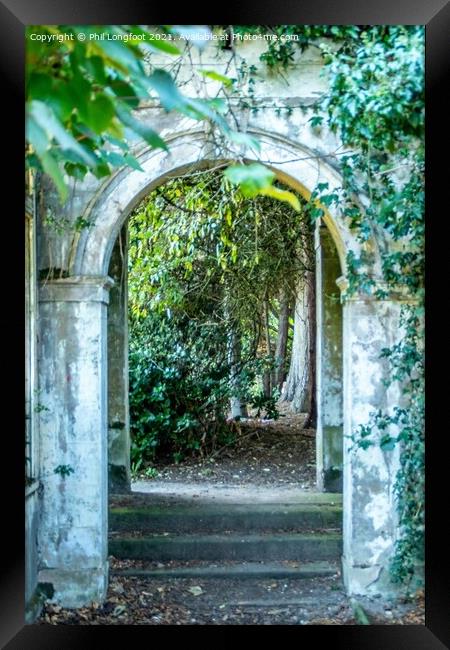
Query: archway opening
{"x": 272, "y": 333}
{"x": 234, "y": 458}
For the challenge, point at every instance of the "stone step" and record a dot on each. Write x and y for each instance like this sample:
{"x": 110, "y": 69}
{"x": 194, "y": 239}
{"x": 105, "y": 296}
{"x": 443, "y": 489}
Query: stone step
{"x": 226, "y": 517}
{"x": 289, "y": 546}
{"x": 184, "y": 493}
{"x": 244, "y": 570}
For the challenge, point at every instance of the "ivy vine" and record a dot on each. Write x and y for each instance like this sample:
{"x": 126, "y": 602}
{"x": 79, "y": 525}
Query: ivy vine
{"x": 375, "y": 103}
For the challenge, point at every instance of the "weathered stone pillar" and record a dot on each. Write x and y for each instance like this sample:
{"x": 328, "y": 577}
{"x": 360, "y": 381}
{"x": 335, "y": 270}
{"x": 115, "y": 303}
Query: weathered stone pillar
{"x": 31, "y": 415}
{"x": 73, "y": 534}
{"x": 118, "y": 402}
{"x": 370, "y": 518}
{"x": 329, "y": 443}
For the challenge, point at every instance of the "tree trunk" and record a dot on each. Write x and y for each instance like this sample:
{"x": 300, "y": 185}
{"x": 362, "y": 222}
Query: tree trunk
{"x": 238, "y": 410}
{"x": 234, "y": 350}
{"x": 300, "y": 386}
{"x": 267, "y": 376}
{"x": 296, "y": 389}
{"x": 282, "y": 339}
{"x": 310, "y": 405}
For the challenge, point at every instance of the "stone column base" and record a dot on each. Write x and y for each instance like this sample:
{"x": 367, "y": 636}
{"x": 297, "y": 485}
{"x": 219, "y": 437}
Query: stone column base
{"x": 118, "y": 479}
{"x": 371, "y": 580}
{"x": 75, "y": 588}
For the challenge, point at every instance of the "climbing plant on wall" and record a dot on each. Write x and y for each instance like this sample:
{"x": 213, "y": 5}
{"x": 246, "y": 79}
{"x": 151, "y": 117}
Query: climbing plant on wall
{"x": 375, "y": 104}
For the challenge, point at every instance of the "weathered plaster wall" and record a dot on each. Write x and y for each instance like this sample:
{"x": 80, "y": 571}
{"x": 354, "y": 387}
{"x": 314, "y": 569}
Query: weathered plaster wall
{"x": 370, "y": 519}
{"x": 32, "y": 469}
{"x": 118, "y": 409}
{"x": 329, "y": 372}
{"x": 73, "y": 432}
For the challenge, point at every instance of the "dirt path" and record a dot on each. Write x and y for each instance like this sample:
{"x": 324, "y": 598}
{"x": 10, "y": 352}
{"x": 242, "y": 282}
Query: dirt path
{"x": 277, "y": 454}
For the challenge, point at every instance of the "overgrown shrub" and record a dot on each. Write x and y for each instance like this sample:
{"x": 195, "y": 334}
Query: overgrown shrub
{"x": 178, "y": 388}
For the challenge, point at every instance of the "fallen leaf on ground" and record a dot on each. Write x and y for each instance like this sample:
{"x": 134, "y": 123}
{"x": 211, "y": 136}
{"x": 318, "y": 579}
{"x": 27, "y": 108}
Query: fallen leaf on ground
{"x": 195, "y": 591}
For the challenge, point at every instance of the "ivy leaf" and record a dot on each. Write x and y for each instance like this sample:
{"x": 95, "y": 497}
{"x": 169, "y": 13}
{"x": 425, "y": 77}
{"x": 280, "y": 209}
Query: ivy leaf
{"x": 282, "y": 195}
{"x": 316, "y": 121}
{"x": 132, "y": 162}
{"x": 76, "y": 170}
{"x": 328, "y": 199}
{"x": 169, "y": 95}
{"x": 387, "y": 443}
{"x": 117, "y": 159}
{"x": 37, "y": 136}
{"x": 40, "y": 86}
{"x": 146, "y": 133}
{"x": 171, "y": 99}
{"x": 47, "y": 120}
{"x": 316, "y": 213}
{"x": 96, "y": 68}
{"x": 250, "y": 178}
{"x": 125, "y": 92}
{"x": 99, "y": 114}
{"x": 121, "y": 55}
{"x": 78, "y": 91}
{"x": 216, "y": 76}
{"x": 101, "y": 169}
{"x": 51, "y": 168}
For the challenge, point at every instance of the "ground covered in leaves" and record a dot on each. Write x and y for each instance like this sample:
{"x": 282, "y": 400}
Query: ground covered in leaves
{"x": 136, "y": 600}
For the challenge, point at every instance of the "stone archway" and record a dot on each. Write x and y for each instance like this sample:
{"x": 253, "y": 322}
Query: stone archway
{"x": 73, "y": 377}
{"x": 294, "y": 164}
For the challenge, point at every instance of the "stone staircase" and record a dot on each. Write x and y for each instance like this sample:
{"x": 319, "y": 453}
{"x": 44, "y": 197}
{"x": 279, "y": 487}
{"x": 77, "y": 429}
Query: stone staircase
{"x": 293, "y": 540}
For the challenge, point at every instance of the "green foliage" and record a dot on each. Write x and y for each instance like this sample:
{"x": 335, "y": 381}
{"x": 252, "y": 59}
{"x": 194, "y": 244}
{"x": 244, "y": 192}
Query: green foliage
{"x": 64, "y": 470}
{"x": 40, "y": 407}
{"x": 266, "y": 404}
{"x": 80, "y": 94}
{"x": 376, "y": 104}
{"x": 204, "y": 260}
{"x": 198, "y": 232}
{"x": 81, "y": 90}
{"x": 178, "y": 390}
